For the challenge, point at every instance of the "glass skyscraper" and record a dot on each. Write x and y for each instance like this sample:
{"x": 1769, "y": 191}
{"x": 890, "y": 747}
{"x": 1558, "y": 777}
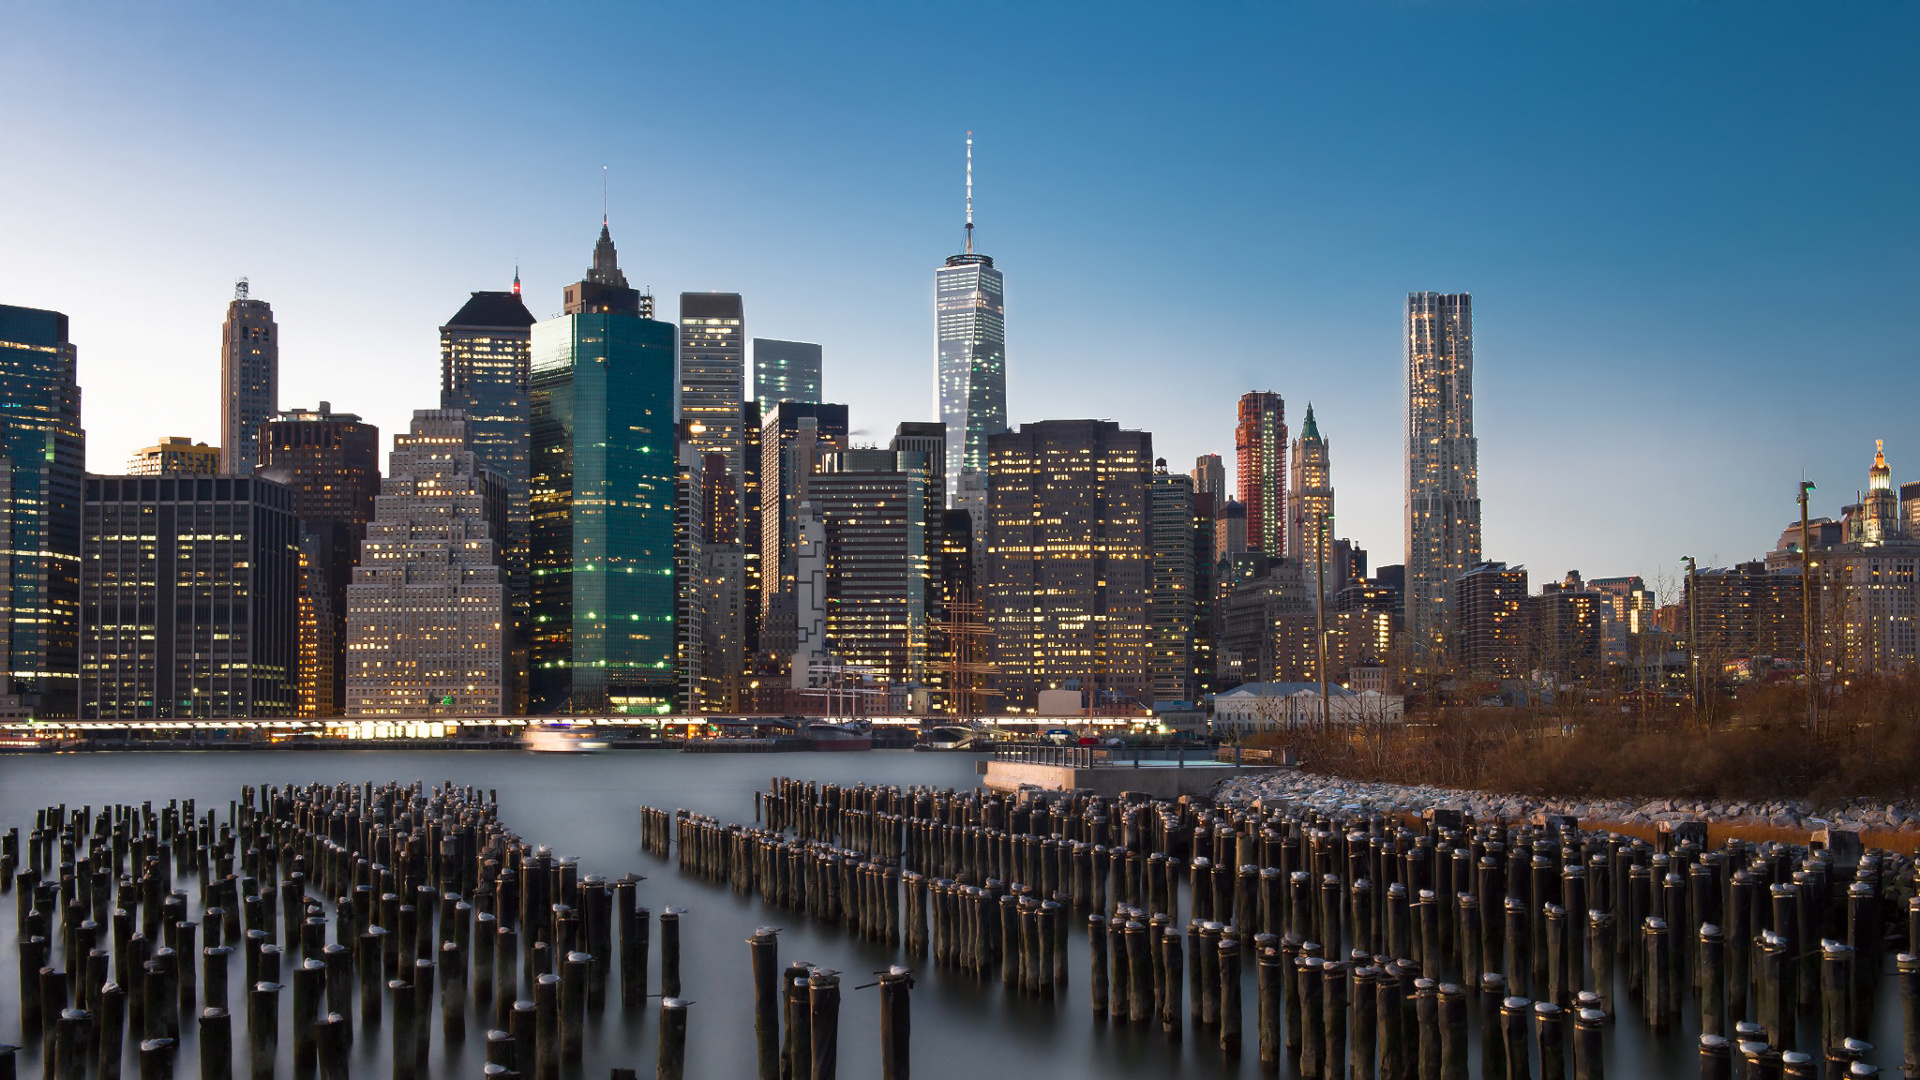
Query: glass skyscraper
{"x": 713, "y": 375}
{"x": 485, "y": 359}
{"x": 43, "y": 452}
{"x": 784, "y": 371}
{"x": 602, "y": 498}
{"x": 972, "y": 383}
{"x": 1443, "y": 463}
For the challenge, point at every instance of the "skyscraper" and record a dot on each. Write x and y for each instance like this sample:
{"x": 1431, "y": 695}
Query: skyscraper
{"x": 713, "y": 374}
{"x": 971, "y": 384}
{"x": 189, "y": 589}
{"x": 1260, "y": 448}
{"x": 602, "y": 498}
{"x": 249, "y": 378}
{"x": 1443, "y": 464}
{"x": 1210, "y": 476}
{"x": 1067, "y": 591}
{"x": 43, "y": 453}
{"x": 427, "y": 610}
{"x": 784, "y": 371}
{"x": 796, "y": 434}
{"x": 485, "y": 365}
{"x": 881, "y": 525}
{"x": 1310, "y": 510}
{"x": 1172, "y": 597}
{"x": 332, "y": 462}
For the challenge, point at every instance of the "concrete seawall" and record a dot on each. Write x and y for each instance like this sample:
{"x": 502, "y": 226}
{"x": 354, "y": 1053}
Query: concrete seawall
{"x": 1159, "y": 779}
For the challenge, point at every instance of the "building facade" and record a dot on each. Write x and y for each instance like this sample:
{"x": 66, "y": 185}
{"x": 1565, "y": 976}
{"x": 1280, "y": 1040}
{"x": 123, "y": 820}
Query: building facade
{"x": 189, "y": 589}
{"x": 175, "y": 454}
{"x": 1260, "y": 457}
{"x": 1210, "y": 476}
{"x": 1172, "y": 597}
{"x": 332, "y": 462}
{"x": 713, "y": 376}
{"x": 1489, "y": 638}
{"x": 43, "y": 453}
{"x": 427, "y": 627}
{"x": 784, "y": 371}
{"x": 792, "y": 440}
{"x": 1443, "y": 465}
{"x": 485, "y": 372}
{"x": 880, "y": 518}
{"x": 602, "y": 499}
{"x": 249, "y": 378}
{"x": 1068, "y": 590}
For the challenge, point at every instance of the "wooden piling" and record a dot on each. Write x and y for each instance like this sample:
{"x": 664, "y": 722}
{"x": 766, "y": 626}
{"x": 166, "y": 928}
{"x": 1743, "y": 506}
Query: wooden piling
{"x": 671, "y": 1063}
{"x": 896, "y": 1023}
{"x": 216, "y": 1045}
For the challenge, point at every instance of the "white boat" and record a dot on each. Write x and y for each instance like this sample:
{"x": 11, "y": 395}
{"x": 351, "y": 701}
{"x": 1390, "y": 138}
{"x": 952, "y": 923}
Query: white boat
{"x": 559, "y": 739}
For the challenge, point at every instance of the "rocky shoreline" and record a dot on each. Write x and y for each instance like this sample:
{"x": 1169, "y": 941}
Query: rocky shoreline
{"x": 1331, "y": 793}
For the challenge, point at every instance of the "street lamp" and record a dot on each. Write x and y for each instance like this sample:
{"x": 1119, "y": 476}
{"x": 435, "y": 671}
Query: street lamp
{"x": 1693, "y": 628}
{"x": 1806, "y": 612}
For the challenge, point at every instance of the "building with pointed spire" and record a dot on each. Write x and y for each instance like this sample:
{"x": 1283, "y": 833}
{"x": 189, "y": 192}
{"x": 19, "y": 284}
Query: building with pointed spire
{"x": 1310, "y": 510}
{"x": 970, "y": 384}
{"x": 1880, "y": 510}
{"x": 1260, "y": 448}
{"x": 486, "y": 357}
{"x": 602, "y": 491}
{"x": 1443, "y": 465}
{"x": 249, "y": 378}
{"x": 427, "y": 631}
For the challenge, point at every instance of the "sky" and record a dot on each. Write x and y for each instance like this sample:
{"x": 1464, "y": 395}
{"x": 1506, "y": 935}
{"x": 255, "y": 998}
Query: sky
{"x": 1688, "y": 229}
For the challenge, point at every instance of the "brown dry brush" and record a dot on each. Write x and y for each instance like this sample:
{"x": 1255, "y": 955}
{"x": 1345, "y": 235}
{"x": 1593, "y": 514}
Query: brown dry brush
{"x": 1754, "y": 747}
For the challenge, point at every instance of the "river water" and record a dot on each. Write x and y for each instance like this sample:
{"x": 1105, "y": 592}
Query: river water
{"x": 587, "y": 806}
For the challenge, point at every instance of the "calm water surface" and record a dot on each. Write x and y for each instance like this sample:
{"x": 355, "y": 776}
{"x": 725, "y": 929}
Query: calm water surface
{"x": 587, "y": 806}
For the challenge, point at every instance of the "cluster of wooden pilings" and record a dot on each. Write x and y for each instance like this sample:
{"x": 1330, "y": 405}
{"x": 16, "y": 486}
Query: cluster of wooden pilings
{"x": 1374, "y": 947}
{"x": 362, "y": 898}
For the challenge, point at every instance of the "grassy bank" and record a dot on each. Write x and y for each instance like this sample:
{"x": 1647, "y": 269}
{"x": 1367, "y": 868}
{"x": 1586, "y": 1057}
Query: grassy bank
{"x": 1752, "y": 747}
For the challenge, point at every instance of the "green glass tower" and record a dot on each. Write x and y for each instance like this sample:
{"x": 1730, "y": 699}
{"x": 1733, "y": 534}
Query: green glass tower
{"x": 602, "y": 501}
{"x": 43, "y": 457}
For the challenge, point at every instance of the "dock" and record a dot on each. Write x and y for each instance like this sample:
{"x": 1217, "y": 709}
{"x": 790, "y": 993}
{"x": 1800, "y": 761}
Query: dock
{"x": 1160, "y": 773}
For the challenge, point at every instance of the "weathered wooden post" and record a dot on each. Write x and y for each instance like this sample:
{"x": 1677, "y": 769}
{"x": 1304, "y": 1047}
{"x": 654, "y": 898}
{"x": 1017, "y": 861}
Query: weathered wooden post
{"x": 1600, "y": 958}
{"x": 672, "y": 1061}
{"x": 1230, "y": 1031}
{"x": 263, "y": 1029}
{"x": 1550, "y": 1033}
{"x": 1333, "y": 991}
{"x": 1453, "y": 1032}
{"x": 1170, "y": 959}
{"x": 823, "y": 1023}
{"x": 216, "y": 1045}
{"x": 1716, "y": 1058}
{"x": 1513, "y": 1037}
{"x": 763, "y": 956}
{"x": 546, "y": 1037}
{"x": 896, "y": 1023}
{"x": 1310, "y": 974}
{"x": 1712, "y": 980}
{"x": 331, "y": 1034}
{"x": 1907, "y": 968}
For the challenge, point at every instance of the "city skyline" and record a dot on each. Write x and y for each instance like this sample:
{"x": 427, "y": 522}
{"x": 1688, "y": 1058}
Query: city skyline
{"x": 1529, "y": 232}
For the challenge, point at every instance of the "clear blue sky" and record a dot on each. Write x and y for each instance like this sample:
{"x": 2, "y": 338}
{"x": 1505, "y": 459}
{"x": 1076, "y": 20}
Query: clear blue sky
{"x": 1689, "y": 229}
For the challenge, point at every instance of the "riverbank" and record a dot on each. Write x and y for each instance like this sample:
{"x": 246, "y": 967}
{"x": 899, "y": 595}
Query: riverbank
{"x": 1787, "y": 816}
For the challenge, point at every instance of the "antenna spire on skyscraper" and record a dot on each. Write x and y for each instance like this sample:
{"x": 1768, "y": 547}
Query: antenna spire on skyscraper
{"x": 603, "y": 196}
{"x": 516, "y": 279}
{"x": 969, "y": 192}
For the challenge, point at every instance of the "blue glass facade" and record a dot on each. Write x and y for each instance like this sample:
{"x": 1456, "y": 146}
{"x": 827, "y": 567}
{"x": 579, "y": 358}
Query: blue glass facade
{"x": 602, "y": 499}
{"x": 43, "y": 456}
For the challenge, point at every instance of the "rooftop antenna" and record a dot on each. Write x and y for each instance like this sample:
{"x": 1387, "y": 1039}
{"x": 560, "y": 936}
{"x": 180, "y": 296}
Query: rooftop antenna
{"x": 240, "y": 287}
{"x": 969, "y": 192}
{"x": 603, "y": 194}
{"x": 516, "y": 277}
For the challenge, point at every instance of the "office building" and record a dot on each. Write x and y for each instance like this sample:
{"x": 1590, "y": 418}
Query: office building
{"x": 249, "y": 378}
{"x": 43, "y": 453}
{"x": 970, "y": 386}
{"x": 750, "y": 530}
{"x": 962, "y": 667}
{"x": 1171, "y": 599}
{"x": 1068, "y": 589}
{"x": 1260, "y": 449}
{"x": 189, "y": 588}
{"x": 1310, "y": 510}
{"x": 792, "y": 440}
{"x": 485, "y": 366}
{"x": 1206, "y": 584}
{"x": 332, "y": 462}
{"x": 1230, "y": 530}
{"x": 713, "y": 376}
{"x": 1867, "y": 602}
{"x": 1443, "y": 465}
{"x": 1210, "y": 476}
{"x": 784, "y": 371}
{"x": 1489, "y": 638}
{"x": 602, "y": 495}
{"x": 427, "y": 629}
{"x": 175, "y": 454}
{"x": 880, "y": 519}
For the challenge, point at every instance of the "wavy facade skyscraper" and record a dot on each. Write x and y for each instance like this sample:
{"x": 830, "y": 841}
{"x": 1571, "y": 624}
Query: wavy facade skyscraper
{"x": 1443, "y": 464}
